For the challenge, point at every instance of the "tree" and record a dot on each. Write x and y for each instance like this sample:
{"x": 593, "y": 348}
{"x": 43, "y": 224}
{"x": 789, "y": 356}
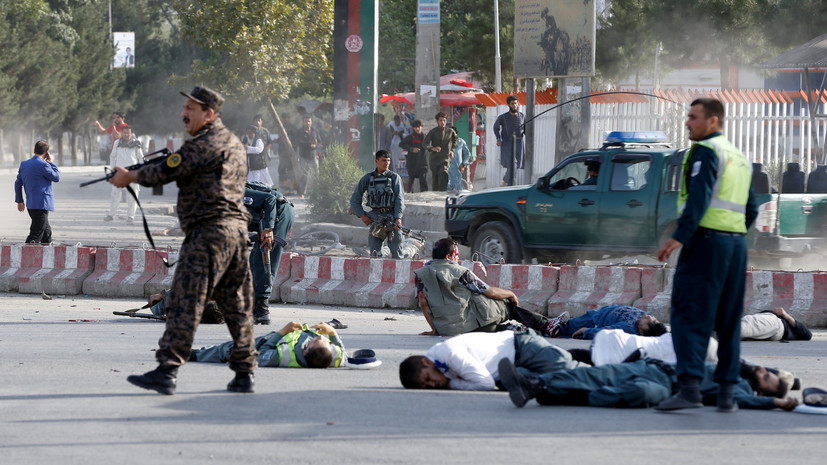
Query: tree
{"x": 723, "y": 32}
{"x": 258, "y": 49}
{"x": 625, "y": 44}
{"x": 466, "y": 41}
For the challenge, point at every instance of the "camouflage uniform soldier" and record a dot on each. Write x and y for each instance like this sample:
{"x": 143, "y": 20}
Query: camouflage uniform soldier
{"x": 385, "y": 198}
{"x": 210, "y": 170}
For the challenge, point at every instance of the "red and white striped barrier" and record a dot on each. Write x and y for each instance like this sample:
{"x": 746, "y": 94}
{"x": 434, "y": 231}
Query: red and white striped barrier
{"x": 803, "y": 295}
{"x": 123, "y": 272}
{"x": 390, "y": 284}
{"x": 35, "y": 268}
{"x": 282, "y": 275}
{"x": 162, "y": 279}
{"x": 533, "y": 285}
{"x": 656, "y": 292}
{"x": 584, "y": 288}
{"x": 322, "y": 280}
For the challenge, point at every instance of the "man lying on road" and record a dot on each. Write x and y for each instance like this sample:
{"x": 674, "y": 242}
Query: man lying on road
{"x": 296, "y": 345}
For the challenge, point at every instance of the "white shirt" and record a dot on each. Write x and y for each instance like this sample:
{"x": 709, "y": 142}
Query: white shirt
{"x": 614, "y": 345}
{"x": 470, "y": 360}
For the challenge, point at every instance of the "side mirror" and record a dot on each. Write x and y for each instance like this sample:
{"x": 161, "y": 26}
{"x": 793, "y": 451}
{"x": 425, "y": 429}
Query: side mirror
{"x": 542, "y": 183}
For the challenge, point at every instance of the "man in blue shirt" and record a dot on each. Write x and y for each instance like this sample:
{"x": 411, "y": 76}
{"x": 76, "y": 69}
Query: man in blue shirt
{"x": 36, "y": 176}
{"x": 629, "y": 319}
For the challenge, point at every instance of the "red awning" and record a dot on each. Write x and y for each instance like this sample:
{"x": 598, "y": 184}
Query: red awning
{"x": 452, "y": 99}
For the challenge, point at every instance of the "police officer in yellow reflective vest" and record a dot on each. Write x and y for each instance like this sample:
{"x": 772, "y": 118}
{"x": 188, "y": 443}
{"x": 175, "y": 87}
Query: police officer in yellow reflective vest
{"x": 294, "y": 346}
{"x": 716, "y": 206}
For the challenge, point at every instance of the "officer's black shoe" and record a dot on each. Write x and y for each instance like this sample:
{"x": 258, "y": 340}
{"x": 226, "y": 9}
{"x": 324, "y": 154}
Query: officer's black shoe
{"x": 726, "y": 399}
{"x": 243, "y": 382}
{"x": 261, "y": 312}
{"x": 520, "y": 388}
{"x": 160, "y": 379}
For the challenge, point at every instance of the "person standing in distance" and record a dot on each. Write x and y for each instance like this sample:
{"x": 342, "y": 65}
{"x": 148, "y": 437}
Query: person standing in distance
{"x": 717, "y": 207}
{"x": 36, "y": 176}
{"x": 126, "y": 152}
{"x": 440, "y": 143}
{"x": 505, "y": 128}
{"x": 385, "y": 197}
{"x": 210, "y": 170}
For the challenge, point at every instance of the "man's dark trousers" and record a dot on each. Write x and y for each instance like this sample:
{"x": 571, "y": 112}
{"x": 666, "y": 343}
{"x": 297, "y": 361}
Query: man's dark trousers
{"x": 707, "y": 295}
{"x": 40, "y": 232}
{"x": 638, "y": 384}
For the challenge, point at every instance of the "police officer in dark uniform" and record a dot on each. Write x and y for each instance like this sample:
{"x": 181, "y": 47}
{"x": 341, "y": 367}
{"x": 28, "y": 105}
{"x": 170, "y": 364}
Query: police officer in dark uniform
{"x": 210, "y": 170}
{"x": 385, "y": 197}
{"x": 717, "y": 208}
{"x": 272, "y": 215}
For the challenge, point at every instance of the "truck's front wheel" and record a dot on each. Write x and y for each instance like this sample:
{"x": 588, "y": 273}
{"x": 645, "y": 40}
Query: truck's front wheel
{"x": 494, "y": 242}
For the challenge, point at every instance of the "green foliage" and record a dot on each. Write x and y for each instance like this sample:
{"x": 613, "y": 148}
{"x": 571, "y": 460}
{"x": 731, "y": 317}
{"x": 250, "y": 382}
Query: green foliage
{"x": 257, "y": 48}
{"x": 330, "y": 191}
{"x": 466, "y": 41}
{"x": 723, "y": 32}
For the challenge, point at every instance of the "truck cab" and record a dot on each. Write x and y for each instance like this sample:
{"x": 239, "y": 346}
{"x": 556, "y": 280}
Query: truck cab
{"x": 619, "y": 198}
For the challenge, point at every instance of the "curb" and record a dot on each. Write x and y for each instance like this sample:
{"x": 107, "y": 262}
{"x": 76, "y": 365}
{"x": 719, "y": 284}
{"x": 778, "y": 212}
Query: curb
{"x": 387, "y": 283}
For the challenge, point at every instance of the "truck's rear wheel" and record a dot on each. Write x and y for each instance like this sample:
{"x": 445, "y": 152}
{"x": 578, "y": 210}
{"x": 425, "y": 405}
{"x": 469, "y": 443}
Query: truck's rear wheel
{"x": 494, "y": 242}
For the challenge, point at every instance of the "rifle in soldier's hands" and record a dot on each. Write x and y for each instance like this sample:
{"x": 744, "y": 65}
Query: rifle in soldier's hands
{"x": 154, "y": 157}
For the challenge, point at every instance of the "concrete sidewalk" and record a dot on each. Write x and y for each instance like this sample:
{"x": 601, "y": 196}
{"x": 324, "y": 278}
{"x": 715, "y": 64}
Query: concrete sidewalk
{"x": 64, "y": 399}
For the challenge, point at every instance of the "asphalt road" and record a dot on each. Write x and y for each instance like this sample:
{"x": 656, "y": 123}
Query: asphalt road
{"x": 64, "y": 399}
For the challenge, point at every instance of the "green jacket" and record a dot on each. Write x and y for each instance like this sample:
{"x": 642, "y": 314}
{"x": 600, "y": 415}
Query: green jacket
{"x": 455, "y": 308}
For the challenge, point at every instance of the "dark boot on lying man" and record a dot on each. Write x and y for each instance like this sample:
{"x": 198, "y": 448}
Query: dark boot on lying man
{"x": 161, "y": 379}
{"x": 261, "y": 312}
{"x": 521, "y": 388}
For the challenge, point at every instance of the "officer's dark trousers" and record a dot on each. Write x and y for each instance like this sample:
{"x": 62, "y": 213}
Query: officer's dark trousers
{"x": 39, "y": 232}
{"x": 263, "y": 287}
{"x": 707, "y": 295}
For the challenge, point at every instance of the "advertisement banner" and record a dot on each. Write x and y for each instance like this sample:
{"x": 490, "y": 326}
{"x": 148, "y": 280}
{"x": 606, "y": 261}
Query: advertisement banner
{"x": 554, "y": 38}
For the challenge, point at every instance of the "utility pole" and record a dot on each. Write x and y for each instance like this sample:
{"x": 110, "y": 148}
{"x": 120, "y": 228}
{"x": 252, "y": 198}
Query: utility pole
{"x": 426, "y": 76}
{"x": 497, "y": 60}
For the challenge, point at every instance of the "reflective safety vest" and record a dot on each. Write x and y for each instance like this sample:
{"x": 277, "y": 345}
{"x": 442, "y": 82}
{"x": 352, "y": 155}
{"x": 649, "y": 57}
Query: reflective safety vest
{"x": 380, "y": 192}
{"x": 286, "y": 349}
{"x": 728, "y": 205}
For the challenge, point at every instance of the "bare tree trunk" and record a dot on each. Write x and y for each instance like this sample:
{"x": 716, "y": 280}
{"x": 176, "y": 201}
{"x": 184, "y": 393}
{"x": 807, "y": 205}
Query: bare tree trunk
{"x": 298, "y": 173}
{"x": 726, "y": 78}
{"x": 60, "y": 153}
{"x": 74, "y": 144}
{"x": 19, "y": 153}
{"x": 2, "y": 144}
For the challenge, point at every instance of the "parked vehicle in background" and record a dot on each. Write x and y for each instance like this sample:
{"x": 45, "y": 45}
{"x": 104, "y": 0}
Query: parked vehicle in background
{"x": 630, "y": 208}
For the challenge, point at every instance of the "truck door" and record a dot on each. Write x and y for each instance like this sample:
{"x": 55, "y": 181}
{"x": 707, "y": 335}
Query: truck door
{"x": 628, "y": 207}
{"x": 563, "y": 211}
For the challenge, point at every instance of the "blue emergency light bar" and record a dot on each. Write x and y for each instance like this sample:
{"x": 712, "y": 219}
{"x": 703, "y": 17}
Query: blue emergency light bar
{"x": 636, "y": 137}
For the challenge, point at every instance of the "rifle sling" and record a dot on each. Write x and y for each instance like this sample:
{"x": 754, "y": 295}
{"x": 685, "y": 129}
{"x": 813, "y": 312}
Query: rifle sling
{"x": 146, "y": 229}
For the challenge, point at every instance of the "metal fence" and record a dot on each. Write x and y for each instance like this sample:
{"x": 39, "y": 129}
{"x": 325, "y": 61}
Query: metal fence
{"x": 770, "y": 127}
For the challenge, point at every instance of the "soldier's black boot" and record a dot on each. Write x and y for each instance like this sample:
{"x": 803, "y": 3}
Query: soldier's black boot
{"x": 161, "y": 379}
{"x": 261, "y": 312}
{"x": 520, "y": 388}
{"x": 243, "y": 382}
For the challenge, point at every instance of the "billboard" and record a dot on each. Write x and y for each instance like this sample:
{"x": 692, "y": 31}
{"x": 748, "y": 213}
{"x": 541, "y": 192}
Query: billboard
{"x": 124, "y": 49}
{"x": 554, "y": 38}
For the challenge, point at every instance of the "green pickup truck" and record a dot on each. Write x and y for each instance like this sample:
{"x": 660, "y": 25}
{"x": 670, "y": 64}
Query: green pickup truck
{"x": 628, "y": 207}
